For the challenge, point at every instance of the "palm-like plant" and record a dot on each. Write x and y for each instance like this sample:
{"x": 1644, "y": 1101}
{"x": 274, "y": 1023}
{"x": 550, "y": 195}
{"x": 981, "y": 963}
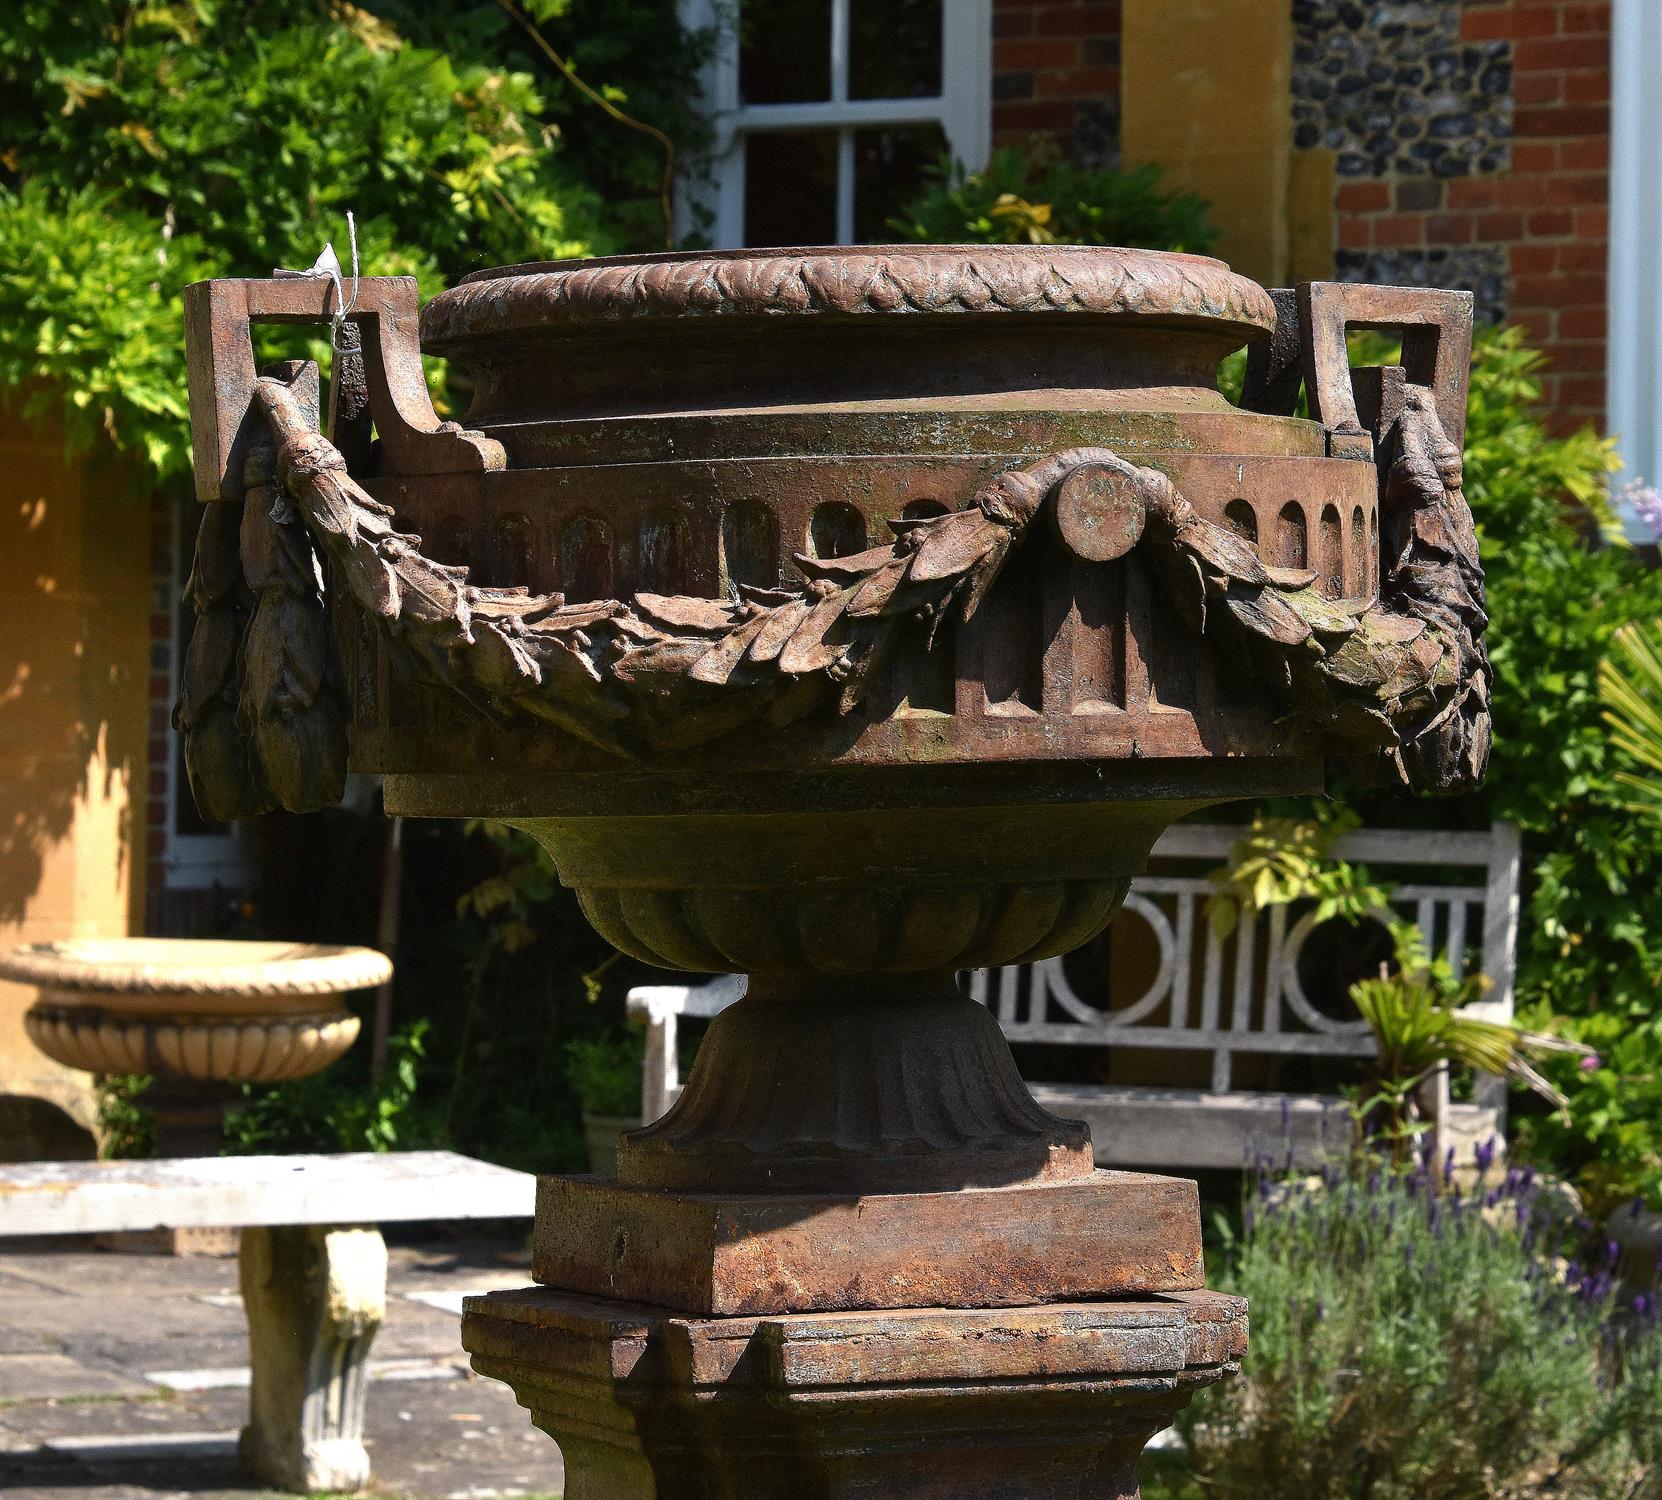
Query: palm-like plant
{"x": 1630, "y": 683}
{"x": 1420, "y": 1023}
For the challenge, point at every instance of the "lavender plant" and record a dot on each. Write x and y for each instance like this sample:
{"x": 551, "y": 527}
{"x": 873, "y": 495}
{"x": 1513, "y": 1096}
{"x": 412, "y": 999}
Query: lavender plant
{"x": 1411, "y": 1341}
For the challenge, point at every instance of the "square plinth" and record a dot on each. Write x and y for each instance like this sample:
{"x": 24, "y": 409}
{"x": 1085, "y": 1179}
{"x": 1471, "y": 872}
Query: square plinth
{"x": 1040, "y": 1403}
{"x": 1112, "y": 1234}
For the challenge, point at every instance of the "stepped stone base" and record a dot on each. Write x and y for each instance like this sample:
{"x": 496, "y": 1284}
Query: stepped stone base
{"x": 728, "y": 1255}
{"x": 1031, "y": 1403}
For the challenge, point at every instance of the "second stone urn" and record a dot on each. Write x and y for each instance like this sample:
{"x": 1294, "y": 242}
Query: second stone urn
{"x": 846, "y": 618}
{"x": 197, "y": 1013}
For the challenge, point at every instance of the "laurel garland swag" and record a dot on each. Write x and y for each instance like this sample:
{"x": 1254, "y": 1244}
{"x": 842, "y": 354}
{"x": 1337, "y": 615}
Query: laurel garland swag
{"x": 265, "y": 720}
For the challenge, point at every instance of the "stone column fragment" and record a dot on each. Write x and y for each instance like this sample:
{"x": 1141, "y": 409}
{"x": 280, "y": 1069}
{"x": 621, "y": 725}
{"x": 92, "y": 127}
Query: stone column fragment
{"x": 315, "y": 1297}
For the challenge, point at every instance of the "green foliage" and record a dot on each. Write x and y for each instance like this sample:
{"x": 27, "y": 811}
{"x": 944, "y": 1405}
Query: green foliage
{"x": 1630, "y": 683}
{"x": 1283, "y": 860}
{"x": 1413, "y": 1005}
{"x": 149, "y": 146}
{"x": 1610, "y": 1137}
{"x": 1415, "y": 1011}
{"x": 126, "y": 1129}
{"x": 337, "y": 1110}
{"x": 1033, "y": 196}
{"x": 508, "y": 900}
{"x": 1560, "y": 585}
{"x": 1409, "y": 1344}
{"x": 606, "y": 1072}
{"x": 89, "y": 322}
{"x": 521, "y": 973}
{"x": 633, "y": 52}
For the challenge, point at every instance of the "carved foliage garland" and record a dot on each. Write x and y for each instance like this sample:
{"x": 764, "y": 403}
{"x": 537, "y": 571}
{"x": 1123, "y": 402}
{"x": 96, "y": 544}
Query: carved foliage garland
{"x": 1406, "y": 676}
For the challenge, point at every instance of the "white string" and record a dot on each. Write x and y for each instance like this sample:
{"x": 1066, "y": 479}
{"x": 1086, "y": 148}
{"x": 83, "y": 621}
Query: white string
{"x": 352, "y": 235}
{"x": 327, "y": 266}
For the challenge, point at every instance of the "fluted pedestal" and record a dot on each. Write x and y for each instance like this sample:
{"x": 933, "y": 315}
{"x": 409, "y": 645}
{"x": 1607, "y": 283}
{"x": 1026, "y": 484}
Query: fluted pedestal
{"x": 857, "y": 1260}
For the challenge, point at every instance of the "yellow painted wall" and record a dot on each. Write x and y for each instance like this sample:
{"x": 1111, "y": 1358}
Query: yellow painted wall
{"x": 1204, "y": 92}
{"x": 75, "y": 601}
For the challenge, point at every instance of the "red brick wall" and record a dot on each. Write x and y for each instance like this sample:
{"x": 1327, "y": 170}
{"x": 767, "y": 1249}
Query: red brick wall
{"x": 1056, "y": 72}
{"x": 1548, "y": 211}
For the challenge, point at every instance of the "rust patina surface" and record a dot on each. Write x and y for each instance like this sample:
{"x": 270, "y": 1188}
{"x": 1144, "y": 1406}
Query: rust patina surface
{"x": 843, "y": 617}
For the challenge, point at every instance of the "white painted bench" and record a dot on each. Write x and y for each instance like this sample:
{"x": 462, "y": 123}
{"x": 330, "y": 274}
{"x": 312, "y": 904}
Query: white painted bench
{"x": 1234, "y": 998}
{"x": 313, "y": 1268}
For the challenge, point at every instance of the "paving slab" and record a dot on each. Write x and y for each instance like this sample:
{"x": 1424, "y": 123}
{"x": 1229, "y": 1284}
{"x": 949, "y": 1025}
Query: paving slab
{"x": 430, "y": 1439}
{"x": 57, "y": 1376}
{"x": 108, "y": 1322}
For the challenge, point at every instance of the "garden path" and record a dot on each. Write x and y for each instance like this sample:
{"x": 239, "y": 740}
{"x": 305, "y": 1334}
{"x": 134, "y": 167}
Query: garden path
{"x": 124, "y": 1377}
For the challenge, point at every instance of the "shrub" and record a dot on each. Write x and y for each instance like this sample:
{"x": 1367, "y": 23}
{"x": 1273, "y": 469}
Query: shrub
{"x": 152, "y": 146}
{"x": 1033, "y": 196}
{"x": 1411, "y": 1343}
{"x": 1560, "y": 584}
{"x": 606, "y": 1072}
{"x": 337, "y": 1110}
{"x": 126, "y": 1127}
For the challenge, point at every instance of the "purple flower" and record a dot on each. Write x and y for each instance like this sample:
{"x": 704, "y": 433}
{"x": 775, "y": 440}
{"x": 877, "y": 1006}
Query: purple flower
{"x": 1591, "y": 1063}
{"x": 1485, "y": 1154}
{"x": 1644, "y": 501}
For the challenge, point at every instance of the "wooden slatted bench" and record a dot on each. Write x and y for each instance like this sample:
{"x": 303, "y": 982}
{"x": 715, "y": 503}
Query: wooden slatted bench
{"x": 1226, "y": 999}
{"x": 313, "y": 1268}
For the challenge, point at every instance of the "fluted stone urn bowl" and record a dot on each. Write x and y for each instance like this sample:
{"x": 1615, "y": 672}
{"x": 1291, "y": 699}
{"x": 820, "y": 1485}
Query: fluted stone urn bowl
{"x": 204, "y": 1010}
{"x": 845, "y": 617}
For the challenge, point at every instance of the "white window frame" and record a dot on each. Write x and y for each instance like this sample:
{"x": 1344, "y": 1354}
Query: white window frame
{"x": 190, "y": 861}
{"x": 1633, "y": 372}
{"x": 963, "y": 110}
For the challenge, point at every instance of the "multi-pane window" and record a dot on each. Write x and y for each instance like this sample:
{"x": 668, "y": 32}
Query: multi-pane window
{"x": 826, "y": 112}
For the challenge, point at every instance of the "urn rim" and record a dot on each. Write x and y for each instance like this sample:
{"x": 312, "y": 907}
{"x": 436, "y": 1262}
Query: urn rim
{"x": 1171, "y": 288}
{"x": 196, "y": 966}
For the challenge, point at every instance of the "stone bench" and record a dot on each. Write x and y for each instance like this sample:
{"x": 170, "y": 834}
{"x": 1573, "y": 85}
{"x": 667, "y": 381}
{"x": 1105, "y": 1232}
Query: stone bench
{"x": 313, "y": 1268}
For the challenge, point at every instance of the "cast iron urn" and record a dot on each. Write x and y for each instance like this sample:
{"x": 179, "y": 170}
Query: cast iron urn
{"x": 847, "y": 618}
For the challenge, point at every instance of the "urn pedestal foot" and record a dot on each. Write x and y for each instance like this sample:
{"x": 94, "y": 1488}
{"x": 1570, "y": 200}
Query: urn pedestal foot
{"x": 315, "y": 1298}
{"x": 1031, "y": 1403}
